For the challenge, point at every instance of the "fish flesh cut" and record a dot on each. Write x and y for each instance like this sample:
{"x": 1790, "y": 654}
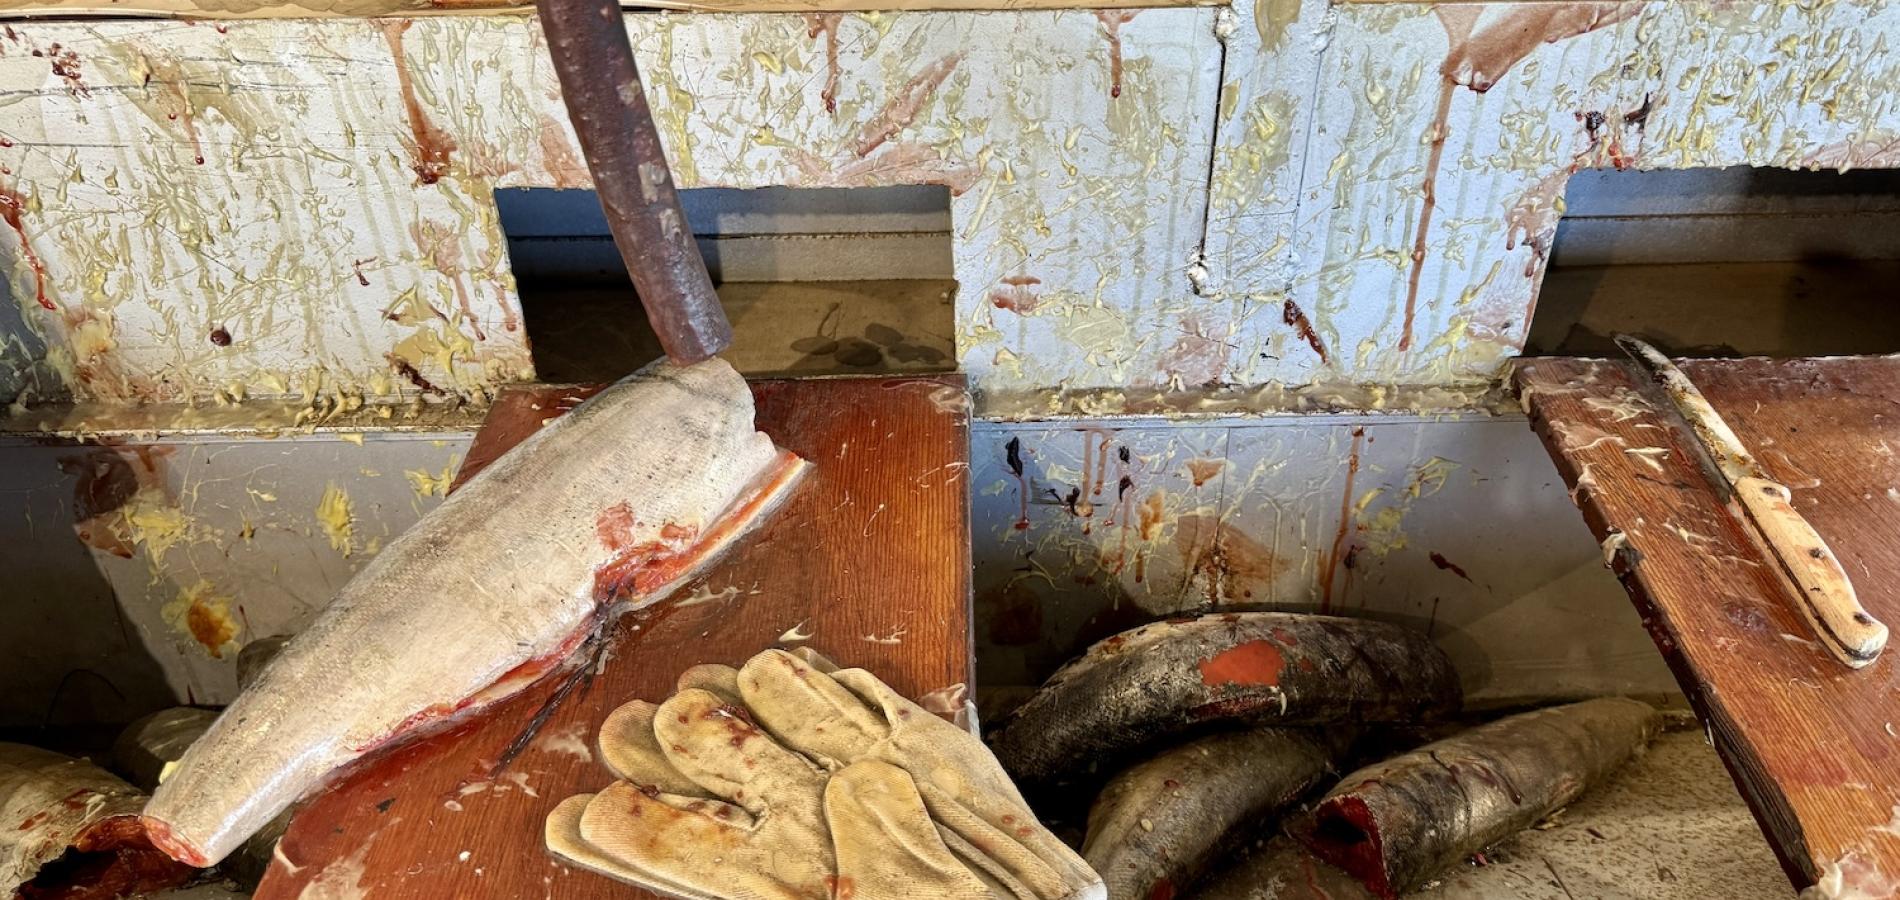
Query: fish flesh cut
{"x": 52, "y": 804}
{"x": 1397, "y": 824}
{"x": 607, "y": 508}
{"x": 1142, "y": 686}
{"x": 1157, "y": 826}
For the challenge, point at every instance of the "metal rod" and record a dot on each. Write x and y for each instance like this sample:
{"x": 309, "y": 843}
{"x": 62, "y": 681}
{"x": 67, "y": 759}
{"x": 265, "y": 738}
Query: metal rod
{"x": 601, "y": 85}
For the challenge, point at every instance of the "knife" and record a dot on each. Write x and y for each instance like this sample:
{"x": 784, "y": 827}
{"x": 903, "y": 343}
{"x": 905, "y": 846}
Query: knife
{"x": 1807, "y": 568}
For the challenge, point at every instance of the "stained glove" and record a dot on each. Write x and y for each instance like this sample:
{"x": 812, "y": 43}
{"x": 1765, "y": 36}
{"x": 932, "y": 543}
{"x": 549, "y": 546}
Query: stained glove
{"x": 843, "y": 717}
{"x": 711, "y": 807}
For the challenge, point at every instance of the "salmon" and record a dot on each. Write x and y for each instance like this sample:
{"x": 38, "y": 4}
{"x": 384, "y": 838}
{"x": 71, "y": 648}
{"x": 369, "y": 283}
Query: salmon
{"x": 1157, "y": 826}
{"x": 605, "y": 509}
{"x": 1143, "y": 686}
{"x": 1397, "y": 824}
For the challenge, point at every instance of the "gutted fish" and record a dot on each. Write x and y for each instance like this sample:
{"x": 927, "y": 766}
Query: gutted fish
{"x": 1155, "y": 827}
{"x": 53, "y": 807}
{"x": 1397, "y": 824}
{"x": 1270, "y": 668}
{"x": 1281, "y": 869}
{"x": 609, "y": 507}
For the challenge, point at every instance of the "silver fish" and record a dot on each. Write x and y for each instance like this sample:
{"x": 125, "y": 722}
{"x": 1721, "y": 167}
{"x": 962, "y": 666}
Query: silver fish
{"x": 609, "y": 507}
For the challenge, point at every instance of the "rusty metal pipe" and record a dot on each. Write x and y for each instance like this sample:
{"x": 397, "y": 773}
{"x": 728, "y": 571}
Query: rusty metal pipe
{"x": 605, "y": 100}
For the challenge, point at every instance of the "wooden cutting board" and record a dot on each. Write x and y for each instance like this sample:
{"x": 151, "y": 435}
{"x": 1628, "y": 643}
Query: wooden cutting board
{"x": 1814, "y": 746}
{"x": 869, "y": 558}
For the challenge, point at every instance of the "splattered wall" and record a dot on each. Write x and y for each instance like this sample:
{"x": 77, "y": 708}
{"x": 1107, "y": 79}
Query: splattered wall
{"x": 197, "y": 214}
{"x": 1281, "y": 200}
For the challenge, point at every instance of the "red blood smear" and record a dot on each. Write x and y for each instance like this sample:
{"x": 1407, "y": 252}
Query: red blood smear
{"x": 1439, "y": 560}
{"x": 117, "y": 860}
{"x": 1252, "y": 663}
{"x": 11, "y": 206}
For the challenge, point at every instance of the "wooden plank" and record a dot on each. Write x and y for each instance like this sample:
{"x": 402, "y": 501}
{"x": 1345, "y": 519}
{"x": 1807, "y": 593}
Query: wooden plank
{"x": 870, "y": 557}
{"x": 1813, "y": 745}
{"x": 324, "y": 9}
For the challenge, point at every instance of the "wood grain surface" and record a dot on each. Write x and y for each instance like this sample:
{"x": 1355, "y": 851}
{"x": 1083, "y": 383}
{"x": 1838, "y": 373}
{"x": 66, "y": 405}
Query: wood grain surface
{"x": 870, "y": 557}
{"x": 1813, "y": 745}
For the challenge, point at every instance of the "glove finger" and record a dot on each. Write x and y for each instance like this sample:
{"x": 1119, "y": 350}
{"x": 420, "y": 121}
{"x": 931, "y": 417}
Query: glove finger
{"x": 968, "y": 792}
{"x": 629, "y": 750}
{"x": 807, "y": 709}
{"x": 816, "y": 660}
{"x": 977, "y": 773}
{"x": 718, "y": 747}
{"x": 563, "y": 836}
{"x": 1003, "y": 852}
{"x": 666, "y": 842}
{"x": 720, "y": 679}
{"x": 886, "y": 844}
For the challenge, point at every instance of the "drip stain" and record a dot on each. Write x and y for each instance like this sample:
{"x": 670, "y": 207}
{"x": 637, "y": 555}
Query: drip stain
{"x": 1112, "y": 22}
{"x": 827, "y": 24}
{"x": 12, "y": 208}
{"x": 1476, "y": 61}
{"x": 1329, "y": 565}
{"x": 431, "y": 145}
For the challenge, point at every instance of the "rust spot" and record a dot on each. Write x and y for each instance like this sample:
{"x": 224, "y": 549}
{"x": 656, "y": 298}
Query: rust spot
{"x": 1284, "y": 636}
{"x": 1439, "y": 560}
{"x": 841, "y": 887}
{"x": 1256, "y": 662}
{"x": 220, "y": 336}
{"x": 1163, "y": 890}
{"x": 1203, "y": 470}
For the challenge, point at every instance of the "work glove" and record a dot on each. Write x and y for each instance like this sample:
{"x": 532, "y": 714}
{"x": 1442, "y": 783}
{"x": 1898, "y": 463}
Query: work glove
{"x": 711, "y": 807}
{"x": 846, "y": 717}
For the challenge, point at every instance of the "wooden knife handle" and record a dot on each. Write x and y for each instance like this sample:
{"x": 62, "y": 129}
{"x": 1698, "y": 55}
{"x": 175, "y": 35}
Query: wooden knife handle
{"x": 1827, "y": 597}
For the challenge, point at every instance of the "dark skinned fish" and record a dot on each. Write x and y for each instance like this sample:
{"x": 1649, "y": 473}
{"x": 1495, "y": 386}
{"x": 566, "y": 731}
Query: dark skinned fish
{"x": 1281, "y": 869}
{"x": 1156, "y": 826}
{"x": 1162, "y": 679}
{"x": 1397, "y": 824}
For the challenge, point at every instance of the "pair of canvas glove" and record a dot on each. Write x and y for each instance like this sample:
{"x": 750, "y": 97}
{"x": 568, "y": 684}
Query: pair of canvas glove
{"x": 791, "y": 778}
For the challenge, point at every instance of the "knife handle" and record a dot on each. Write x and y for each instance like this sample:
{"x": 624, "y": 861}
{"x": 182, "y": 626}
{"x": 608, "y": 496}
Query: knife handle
{"x": 1827, "y": 598}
